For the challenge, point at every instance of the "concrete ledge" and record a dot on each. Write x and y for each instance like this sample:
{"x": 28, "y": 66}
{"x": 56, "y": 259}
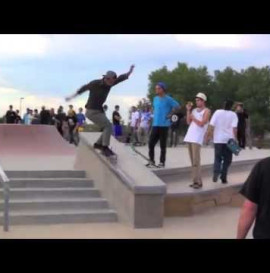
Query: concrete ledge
{"x": 187, "y": 204}
{"x": 132, "y": 190}
{"x": 167, "y": 174}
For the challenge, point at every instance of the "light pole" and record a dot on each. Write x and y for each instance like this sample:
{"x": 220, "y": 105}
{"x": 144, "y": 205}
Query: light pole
{"x": 21, "y": 105}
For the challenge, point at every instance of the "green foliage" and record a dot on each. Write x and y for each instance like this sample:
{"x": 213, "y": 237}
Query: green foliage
{"x": 250, "y": 86}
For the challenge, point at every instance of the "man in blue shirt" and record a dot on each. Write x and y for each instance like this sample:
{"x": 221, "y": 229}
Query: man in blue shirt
{"x": 164, "y": 106}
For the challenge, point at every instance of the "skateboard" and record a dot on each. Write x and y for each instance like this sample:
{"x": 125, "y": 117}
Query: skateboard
{"x": 233, "y": 146}
{"x": 142, "y": 155}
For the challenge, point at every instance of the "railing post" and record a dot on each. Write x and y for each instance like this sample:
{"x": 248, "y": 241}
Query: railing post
{"x": 6, "y": 206}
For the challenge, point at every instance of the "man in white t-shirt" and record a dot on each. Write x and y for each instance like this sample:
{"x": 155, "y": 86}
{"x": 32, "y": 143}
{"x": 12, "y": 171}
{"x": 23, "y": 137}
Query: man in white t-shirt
{"x": 223, "y": 126}
{"x": 134, "y": 124}
{"x": 198, "y": 120}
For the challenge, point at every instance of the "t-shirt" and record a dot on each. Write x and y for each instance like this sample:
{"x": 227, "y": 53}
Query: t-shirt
{"x": 242, "y": 120}
{"x": 115, "y": 121}
{"x": 162, "y": 108}
{"x": 28, "y": 119}
{"x": 224, "y": 121}
{"x": 81, "y": 118}
{"x": 45, "y": 117}
{"x": 257, "y": 190}
{"x": 175, "y": 120}
{"x": 145, "y": 119}
{"x": 71, "y": 121}
{"x": 11, "y": 116}
{"x": 99, "y": 92}
{"x": 60, "y": 117}
{"x": 134, "y": 118}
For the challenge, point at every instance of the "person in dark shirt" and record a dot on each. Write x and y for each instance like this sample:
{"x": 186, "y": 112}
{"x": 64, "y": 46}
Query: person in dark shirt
{"x": 59, "y": 119}
{"x": 72, "y": 122}
{"x": 175, "y": 126}
{"x": 99, "y": 91}
{"x": 256, "y": 206}
{"x": 44, "y": 116}
{"x": 241, "y": 128}
{"x": 11, "y": 115}
{"x": 35, "y": 117}
{"x": 116, "y": 122}
{"x": 52, "y": 117}
{"x": 18, "y": 117}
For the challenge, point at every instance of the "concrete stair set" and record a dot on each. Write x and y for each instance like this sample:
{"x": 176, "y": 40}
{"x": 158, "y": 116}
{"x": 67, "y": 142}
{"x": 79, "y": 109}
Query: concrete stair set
{"x": 54, "y": 197}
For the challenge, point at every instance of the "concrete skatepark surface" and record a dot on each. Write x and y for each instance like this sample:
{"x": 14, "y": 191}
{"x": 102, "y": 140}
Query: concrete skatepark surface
{"x": 44, "y": 149}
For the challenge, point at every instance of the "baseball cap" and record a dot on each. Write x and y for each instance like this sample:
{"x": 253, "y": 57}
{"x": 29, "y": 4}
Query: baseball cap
{"x": 110, "y": 74}
{"x": 162, "y": 85}
{"x": 201, "y": 96}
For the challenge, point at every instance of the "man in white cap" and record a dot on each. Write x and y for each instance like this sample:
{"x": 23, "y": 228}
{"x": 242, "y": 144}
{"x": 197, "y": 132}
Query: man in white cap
{"x": 198, "y": 120}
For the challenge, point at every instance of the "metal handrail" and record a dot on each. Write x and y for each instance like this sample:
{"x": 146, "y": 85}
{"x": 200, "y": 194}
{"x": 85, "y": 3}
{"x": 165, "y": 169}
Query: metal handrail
{"x": 5, "y": 182}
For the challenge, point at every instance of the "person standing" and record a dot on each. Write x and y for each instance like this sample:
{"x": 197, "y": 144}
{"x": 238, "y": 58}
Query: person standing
{"x": 99, "y": 91}
{"x": 28, "y": 117}
{"x": 174, "y": 129}
{"x": 11, "y": 115}
{"x": 44, "y": 116}
{"x": 144, "y": 126}
{"x": 116, "y": 118}
{"x": 59, "y": 119}
{"x": 241, "y": 128}
{"x": 72, "y": 123}
{"x": 81, "y": 119}
{"x": 52, "y": 117}
{"x": 18, "y": 117}
{"x": 223, "y": 127}
{"x": 256, "y": 206}
{"x": 35, "y": 117}
{"x": 198, "y": 120}
{"x": 164, "y": 106}
{"x": 134, "y": 125}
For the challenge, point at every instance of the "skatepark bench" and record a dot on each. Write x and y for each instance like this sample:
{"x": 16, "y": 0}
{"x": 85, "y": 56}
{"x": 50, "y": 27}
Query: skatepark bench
{"x": 132, "y": 190}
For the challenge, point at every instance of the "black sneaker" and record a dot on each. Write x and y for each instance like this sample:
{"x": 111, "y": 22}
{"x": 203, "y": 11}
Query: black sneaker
{"x": 215, "y": 177}
{"x": 106, "y": 151}
{"x": 224, "y": 181}
{"x": 151, "y": 164}
{"x": 98, "y": 146}
{"x": 161, "y": 165}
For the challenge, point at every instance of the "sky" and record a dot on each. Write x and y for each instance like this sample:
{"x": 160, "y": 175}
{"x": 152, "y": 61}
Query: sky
{"x": 44, "y": 69}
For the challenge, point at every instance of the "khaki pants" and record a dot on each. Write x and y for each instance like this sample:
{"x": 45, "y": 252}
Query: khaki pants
{"x": 195, "y": 158}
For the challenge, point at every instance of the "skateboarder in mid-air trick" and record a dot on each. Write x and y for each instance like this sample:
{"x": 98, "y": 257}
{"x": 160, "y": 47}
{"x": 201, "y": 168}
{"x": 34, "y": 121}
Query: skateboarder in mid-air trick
{"x": 99, "y": 90}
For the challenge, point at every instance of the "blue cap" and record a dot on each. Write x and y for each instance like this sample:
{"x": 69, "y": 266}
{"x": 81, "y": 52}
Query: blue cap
{"x": 162, "y": 85}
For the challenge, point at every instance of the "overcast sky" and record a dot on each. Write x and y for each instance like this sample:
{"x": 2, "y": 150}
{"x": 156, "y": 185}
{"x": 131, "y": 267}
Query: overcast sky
{"x": 45, "y": 68}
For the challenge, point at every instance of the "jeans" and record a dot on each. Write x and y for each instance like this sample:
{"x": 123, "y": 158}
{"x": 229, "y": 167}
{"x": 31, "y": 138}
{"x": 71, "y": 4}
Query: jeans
{"x": 223, "y": 160}
{"x": 99, "y": 118}
{"x": 158, "y": 134}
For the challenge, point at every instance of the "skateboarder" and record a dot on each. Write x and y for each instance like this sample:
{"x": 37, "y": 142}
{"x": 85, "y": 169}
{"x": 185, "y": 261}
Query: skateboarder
{"x": 99, "y": 91}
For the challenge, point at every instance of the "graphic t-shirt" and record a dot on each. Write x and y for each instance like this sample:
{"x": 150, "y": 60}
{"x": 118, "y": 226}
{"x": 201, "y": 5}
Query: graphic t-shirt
{"x": 145, "y": 119}
{"x": 115, "y": 121}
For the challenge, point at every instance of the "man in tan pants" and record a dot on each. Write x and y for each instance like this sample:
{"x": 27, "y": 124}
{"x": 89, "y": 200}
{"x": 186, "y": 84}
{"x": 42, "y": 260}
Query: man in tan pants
{"x": 198, "y": 120}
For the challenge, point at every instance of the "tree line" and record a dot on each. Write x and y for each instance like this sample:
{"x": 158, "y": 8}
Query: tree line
{"x": 251, "y": 86}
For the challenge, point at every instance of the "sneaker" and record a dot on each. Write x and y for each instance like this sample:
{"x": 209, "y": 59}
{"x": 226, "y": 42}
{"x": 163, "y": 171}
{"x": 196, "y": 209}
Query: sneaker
{"x": 98, "y": 146}
{"x": 107, "y": 151}
{"x": 151, "y": 164}
{"x": 161, "y": 165}
{"x": 224, "y": 181}
{"x": 215, "y": 177}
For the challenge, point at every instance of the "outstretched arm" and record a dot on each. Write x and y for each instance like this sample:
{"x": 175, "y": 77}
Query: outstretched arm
{"x": 125, "y": 76}
{"x": 79, "y": 91}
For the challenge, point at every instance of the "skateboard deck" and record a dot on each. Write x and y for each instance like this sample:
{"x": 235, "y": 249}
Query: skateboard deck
{"x": 233, "y": 146}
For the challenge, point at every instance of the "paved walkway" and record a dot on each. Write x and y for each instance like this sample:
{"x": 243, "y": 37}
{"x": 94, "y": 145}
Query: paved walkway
{"x": 218, "y": 223}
